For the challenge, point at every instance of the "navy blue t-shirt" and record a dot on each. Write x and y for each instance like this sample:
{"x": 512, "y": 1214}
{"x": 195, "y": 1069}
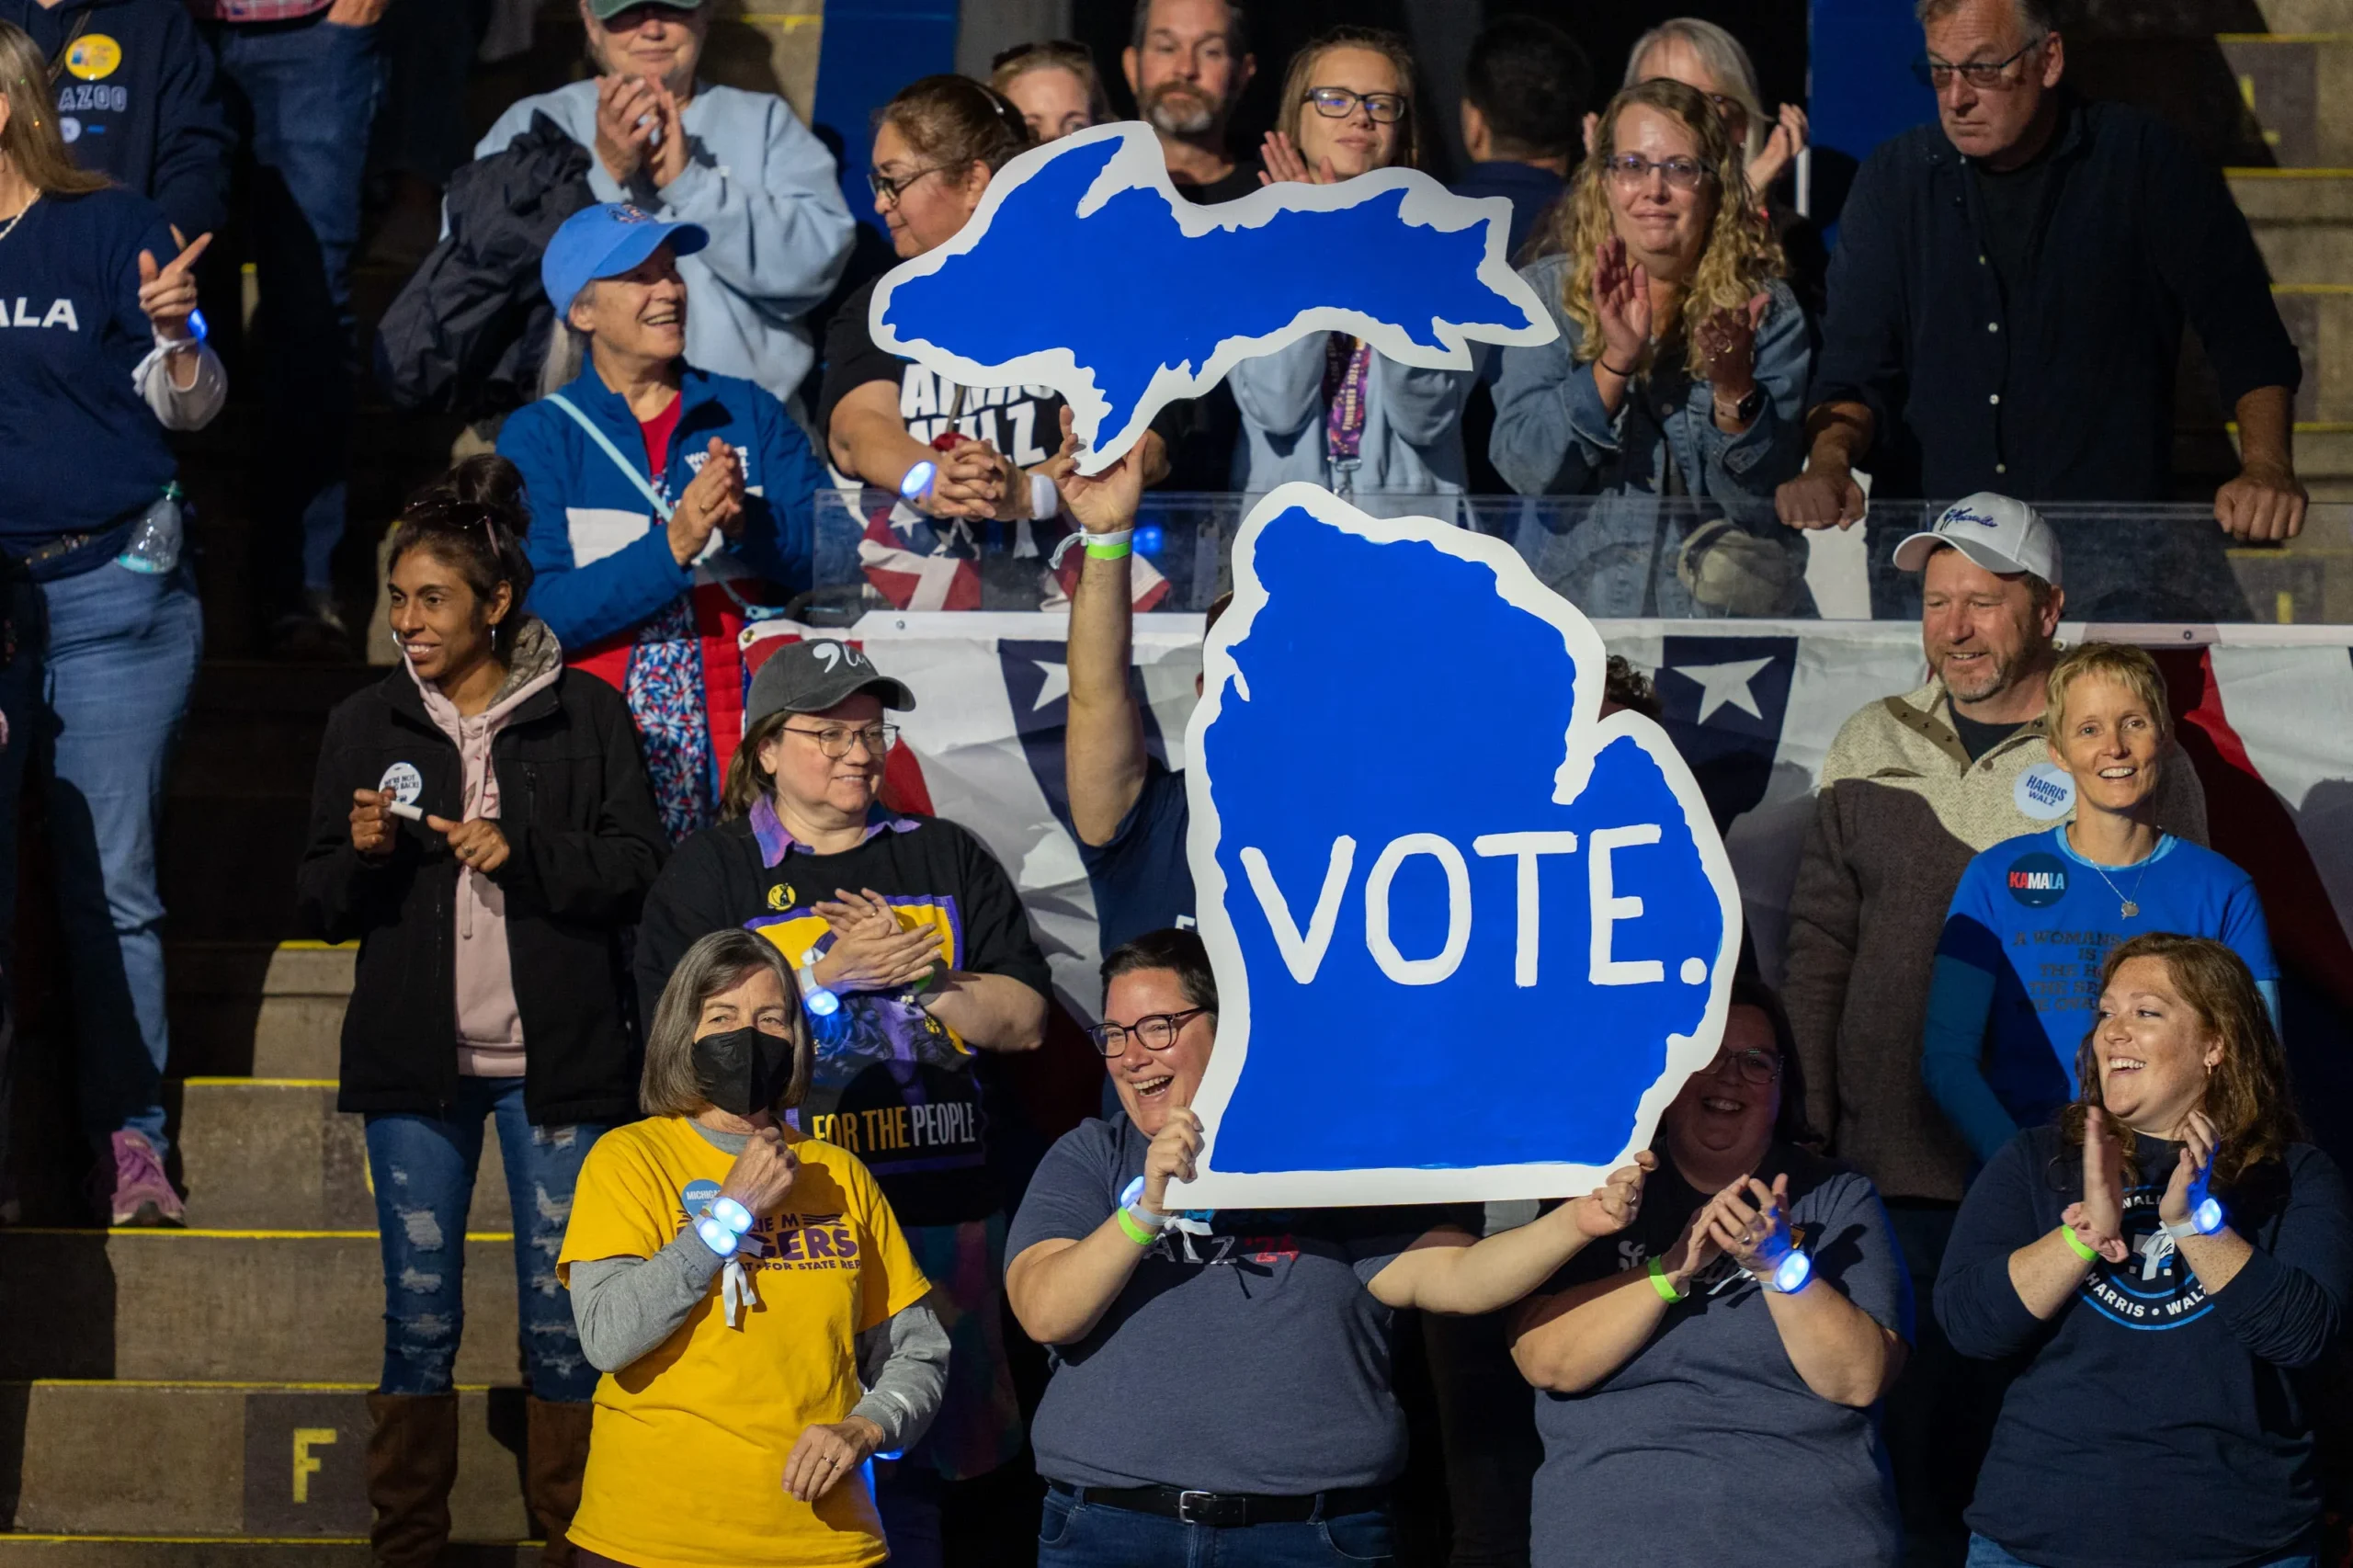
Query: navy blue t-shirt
{"x": 86, "y": 453}
{"x": 1142, "y": 879}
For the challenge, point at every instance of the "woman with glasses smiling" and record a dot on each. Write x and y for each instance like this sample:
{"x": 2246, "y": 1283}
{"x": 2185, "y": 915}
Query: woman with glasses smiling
{"x": 914, "y": 950}
{"x": 1705, "y": 1389}
{"x": 1330, "y": 410}
{"x": 1680, "y": 369}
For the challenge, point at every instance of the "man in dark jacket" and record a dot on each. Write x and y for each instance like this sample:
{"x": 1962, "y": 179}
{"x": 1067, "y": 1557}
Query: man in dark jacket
{"x": 2007, "y": 300}
{"x": 136, "y": 100}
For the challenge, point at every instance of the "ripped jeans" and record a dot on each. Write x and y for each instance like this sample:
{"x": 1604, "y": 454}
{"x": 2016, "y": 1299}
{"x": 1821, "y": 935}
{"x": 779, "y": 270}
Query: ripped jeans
{"x": 424, "y": 1170}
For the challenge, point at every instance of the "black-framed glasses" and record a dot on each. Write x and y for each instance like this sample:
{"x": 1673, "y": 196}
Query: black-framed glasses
{"x": 834, "y": 739}
{"x": 1157, "y": 1032}
{"x": 1338, "y": 103}
{"x": 889, "y": 189}
{"x": 1938, "y": 73}
{"x": 1757, "y": 1067}
{"x": 1682, "y": 173}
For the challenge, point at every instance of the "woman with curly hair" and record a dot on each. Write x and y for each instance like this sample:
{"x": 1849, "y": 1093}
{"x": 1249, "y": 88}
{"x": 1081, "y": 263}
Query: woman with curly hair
{"x": 2163, "y": 1261}
{"x": 1682, "y": 361}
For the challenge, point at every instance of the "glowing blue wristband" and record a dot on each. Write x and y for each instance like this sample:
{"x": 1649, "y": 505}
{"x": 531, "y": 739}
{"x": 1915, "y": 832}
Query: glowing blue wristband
{"x": 916, "y": 480}
{"x": 722, "y": 1228}
{"x": 2204, "y": 1221}
{"x": 1792, "y": 1274}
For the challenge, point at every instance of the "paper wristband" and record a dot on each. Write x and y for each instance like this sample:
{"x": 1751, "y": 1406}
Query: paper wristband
{"x": 2075, "y": 1245}
{"x": 1110, "y": 546}
{"x": 1662, "y": 1284}
{"x": 1136, "y": 1232}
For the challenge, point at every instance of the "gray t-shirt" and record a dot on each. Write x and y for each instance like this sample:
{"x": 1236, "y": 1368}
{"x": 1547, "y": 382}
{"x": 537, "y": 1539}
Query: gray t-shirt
{"x": 1707, "y": 1447}
{"x": 1251, "y": 1358}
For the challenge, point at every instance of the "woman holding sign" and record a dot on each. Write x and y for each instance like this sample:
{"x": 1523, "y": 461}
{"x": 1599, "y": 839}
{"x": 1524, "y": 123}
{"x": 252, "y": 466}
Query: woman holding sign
{"x": 481, "y": 825}
{"x": 1221, "y": 1381}
{"x": 1750, "y": 1320}
{"x": 105, "y": 356}
{"x": 2166, "y": 1261}
{"x": 2034, "y": 915}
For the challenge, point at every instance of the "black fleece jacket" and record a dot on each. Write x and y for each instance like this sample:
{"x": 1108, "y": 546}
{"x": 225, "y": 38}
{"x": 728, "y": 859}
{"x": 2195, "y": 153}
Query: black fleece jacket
{"x": 585, "y": 845}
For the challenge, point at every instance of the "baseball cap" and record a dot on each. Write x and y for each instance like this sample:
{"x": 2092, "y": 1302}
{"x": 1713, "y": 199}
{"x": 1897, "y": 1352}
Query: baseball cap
{"x": 605, "y": 10}
{"x": 811, "y": 677}
{"x": 606, "y": 241}
{"x": 1998, "y": 533}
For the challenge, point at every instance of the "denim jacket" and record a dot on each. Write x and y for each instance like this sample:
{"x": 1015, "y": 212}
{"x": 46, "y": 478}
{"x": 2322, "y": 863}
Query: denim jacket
{"x": 1413, "y": 424}
{"x": 1552, "y": 437}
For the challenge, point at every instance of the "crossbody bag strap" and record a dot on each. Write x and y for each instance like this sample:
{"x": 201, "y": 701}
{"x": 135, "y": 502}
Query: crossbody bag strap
{"x": 645, "y": 487}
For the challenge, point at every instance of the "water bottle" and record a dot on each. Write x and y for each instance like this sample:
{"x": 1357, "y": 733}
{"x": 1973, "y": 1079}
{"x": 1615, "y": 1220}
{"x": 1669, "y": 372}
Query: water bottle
{"x": 154, "y": 547}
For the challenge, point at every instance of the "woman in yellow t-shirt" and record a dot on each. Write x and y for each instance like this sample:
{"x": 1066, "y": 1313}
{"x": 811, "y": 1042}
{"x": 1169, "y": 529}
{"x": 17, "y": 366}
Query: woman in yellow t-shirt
{"x": 746, "y": 1291}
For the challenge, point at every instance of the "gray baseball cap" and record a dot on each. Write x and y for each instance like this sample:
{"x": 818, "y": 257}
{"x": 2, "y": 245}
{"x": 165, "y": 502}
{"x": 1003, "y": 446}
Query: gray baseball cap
{"x": 813, "y": 675}
{"x": 2002, "y": 534}
{"x": 605, "y": 10}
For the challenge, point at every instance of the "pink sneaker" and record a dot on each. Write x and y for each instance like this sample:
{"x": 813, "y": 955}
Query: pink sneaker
{"x": 138, "y": 1192}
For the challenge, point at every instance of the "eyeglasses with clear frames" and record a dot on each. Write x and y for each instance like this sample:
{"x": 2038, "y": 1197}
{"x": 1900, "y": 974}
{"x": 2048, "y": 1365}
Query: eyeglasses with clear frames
{"x": 1683, "y": 174}
{"x": 1157, "y": 1032}
{"x": 834, "y": 739}
{"x": 1338, "y": 103}
{"x": 1980, "y": 74}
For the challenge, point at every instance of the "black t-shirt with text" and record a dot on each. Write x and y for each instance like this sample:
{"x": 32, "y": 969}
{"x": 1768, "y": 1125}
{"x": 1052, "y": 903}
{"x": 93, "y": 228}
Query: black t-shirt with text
{"x": 1024, "y": 423}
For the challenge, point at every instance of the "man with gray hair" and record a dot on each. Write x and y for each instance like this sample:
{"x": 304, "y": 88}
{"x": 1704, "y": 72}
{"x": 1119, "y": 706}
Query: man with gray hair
{"x": 1187, "y": 62}
{"x": 2007, "y": 299}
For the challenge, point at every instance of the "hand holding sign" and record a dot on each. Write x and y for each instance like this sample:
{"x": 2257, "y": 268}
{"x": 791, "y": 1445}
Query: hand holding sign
{"x": 1171, "y": 1156}
{"x": 1611, "y": 1207}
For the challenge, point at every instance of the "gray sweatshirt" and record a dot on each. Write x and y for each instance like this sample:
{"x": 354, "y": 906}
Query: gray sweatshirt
{"x": 627, "y": 1306}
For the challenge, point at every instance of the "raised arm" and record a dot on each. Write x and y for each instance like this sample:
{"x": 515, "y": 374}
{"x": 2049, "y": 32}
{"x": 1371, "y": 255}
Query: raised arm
{"x": 1446, "y": 1271}
{"x": 1103, "y": 749}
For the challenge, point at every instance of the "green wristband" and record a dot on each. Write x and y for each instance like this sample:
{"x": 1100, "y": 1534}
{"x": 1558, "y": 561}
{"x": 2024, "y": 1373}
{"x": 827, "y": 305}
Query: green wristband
{"x": 2075, "y": 1245}
{"x": 1662, "y": 1284}
{"x": 1136, "y": 1232}
{"x": 1111, "y": 551}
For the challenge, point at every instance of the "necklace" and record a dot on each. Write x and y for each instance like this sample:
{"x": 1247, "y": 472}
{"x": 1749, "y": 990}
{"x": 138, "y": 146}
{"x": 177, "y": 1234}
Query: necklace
{"x": 17, "y": 217}
{"x": 2130, "y": 905}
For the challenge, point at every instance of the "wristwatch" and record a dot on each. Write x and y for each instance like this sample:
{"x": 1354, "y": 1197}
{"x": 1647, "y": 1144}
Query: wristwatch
{"x": 1749, "y": 407}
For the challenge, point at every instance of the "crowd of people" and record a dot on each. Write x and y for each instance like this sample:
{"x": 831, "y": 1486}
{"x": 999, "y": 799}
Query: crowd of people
{"x": 1993, "y": 1234}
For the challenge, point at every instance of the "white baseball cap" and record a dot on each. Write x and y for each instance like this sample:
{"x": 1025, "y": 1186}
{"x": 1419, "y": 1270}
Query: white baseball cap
{"x": 2002, "y": 534}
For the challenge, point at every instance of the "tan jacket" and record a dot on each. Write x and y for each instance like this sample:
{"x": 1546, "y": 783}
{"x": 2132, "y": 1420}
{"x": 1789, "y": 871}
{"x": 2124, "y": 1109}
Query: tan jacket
{"x": 1901, "y": 812}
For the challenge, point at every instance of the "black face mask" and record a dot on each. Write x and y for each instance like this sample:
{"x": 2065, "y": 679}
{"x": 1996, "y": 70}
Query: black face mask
{"x": 744, "y": 1071}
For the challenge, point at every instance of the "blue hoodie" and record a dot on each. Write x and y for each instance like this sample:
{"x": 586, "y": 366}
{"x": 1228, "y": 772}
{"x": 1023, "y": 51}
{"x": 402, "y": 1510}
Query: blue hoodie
{"x": 765, "y": 190}
{"x": 136, "y": 100}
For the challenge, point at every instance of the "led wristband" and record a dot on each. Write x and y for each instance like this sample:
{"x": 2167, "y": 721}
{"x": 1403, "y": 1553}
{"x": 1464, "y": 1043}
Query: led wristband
{"x": 1792, "y": 1274}
{"x": 723, "y": 1227}
{"x": 2204, "y": 1221}
{"x": 1140, "y": 1225}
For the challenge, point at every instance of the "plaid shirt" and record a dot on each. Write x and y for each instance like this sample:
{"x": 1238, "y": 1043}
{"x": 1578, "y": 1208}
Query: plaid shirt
{"x": 240, "y": 11}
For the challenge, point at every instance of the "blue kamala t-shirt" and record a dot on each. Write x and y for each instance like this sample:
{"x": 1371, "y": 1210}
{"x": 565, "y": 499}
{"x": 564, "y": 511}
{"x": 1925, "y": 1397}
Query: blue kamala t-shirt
{"x": 2036, "y": 920}
{"x": 86, "y": 453}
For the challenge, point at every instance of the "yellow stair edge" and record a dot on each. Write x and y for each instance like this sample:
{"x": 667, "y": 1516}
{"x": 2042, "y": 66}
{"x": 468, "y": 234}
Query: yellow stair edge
{"x": 226, "y": 1385}
{"x": 198, "y": 1233}
{"x": 214, "y": 1083}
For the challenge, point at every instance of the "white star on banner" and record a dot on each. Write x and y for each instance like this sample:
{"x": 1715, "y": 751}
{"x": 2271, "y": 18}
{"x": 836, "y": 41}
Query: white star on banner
{"x": 1056, "y": 684}
{"x": 1720, "y": 684}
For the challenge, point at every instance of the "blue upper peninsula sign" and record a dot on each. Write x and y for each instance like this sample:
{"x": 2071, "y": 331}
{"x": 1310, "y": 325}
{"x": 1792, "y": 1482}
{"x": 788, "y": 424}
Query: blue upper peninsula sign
{"x": 1470, "y": 937}
{"x": 1084, "y": 271}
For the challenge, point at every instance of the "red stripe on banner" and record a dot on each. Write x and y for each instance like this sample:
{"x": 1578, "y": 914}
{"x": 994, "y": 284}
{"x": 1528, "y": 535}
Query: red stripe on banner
{"x": 2248, "y": 822}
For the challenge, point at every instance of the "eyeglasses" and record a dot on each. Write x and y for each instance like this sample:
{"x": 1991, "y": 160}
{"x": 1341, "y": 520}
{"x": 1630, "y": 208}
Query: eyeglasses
{"x": 889, "y": 189}
{"x": 1683, "y": 174}
{"x": 1338, "y": 103}
{"x": 835, "y": 742}
{"x": 1938, "y": 73}
{"x": 1758, "y": 1067}
{"x": 1157, "y": 1032}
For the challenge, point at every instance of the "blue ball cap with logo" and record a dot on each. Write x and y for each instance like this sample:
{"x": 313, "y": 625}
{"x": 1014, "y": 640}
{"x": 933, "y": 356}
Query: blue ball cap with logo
{"x": 606, "y": 241}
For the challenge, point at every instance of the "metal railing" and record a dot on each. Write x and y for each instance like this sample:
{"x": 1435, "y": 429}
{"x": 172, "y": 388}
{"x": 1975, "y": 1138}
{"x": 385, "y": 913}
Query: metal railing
{"x": 1612, "y": 556}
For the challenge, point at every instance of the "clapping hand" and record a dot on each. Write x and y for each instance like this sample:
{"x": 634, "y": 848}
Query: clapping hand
{"x": 1757, "y": 1238}
{"x": 2099, "y": 1220}
{"x": 2199, "y": 1143}
{"x": 628, "y": 109}
{"x": 666, "y": 160}
{"x": 1727, "y": 341}
{"x": 714, "y": 500}
{"x": 871, "y": 950}
{"x": 1784, "y": 144}
{"x": 1621, "y": 299}
{"x": 1611, "y": 1207}
{"x": 1284, "y": 160}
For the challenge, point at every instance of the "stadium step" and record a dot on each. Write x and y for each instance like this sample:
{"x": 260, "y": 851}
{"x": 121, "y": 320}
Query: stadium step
{"x": 2298, "y": 87}
{"x": 2302, "y": 220}
{"x": 259, "y": 1009}
{"x": 195, "y": 1460}
{"x": 241, "y": 1305}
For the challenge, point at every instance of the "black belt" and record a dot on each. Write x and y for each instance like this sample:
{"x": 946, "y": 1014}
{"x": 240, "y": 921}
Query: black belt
{"x": 1230, "y": 1510}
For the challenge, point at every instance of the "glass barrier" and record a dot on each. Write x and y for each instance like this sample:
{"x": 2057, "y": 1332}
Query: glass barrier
{"x": 1610, "y": 555}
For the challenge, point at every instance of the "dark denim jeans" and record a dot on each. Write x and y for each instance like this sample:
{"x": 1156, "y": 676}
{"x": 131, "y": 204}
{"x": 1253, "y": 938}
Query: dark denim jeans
{"x": 1076, "y": 1534}
{"x": 422, "y": 1169}
{"x": 1984, "y": 1553}
{"x": 94, "y": 698}
{"x": 303, "y": 95}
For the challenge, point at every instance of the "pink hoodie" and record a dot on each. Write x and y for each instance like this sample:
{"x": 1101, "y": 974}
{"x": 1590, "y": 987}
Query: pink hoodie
{"x": 490, "y": 1029}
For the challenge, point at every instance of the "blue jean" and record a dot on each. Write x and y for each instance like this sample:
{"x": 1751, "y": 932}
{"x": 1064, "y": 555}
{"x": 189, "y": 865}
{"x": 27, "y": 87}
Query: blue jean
{"x": 304, "y": 93}
{"x": 94, "y": 698}
{"x": 1077, "y": 1534}
{"x": 1984, "y": 1553}
{"x": 423, "y": 1168}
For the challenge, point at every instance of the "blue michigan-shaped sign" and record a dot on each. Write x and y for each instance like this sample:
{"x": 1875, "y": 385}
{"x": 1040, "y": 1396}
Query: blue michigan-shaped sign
{"x": 1470, "y": 935}
{"x": 1084, "y": 270}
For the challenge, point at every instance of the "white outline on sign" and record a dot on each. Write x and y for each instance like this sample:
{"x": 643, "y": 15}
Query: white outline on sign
{"x": 1587, "y": 733}
{"x": 1139, "y": 164}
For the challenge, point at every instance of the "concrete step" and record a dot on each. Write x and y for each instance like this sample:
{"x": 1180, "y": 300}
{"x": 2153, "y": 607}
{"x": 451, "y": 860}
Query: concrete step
{"x": 2319, "y": 316}
{"x": 274, "y": 1154}
{"x": 234, "y": 1305}
{"x": 225, "y": 1459}
{"x": 2302, "y": 221}
{"x": 266, "y": 1009}
{"x": 2299, "y": 88}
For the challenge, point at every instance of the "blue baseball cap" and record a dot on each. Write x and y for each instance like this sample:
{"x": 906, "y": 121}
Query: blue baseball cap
{"x": 606, "y": 241}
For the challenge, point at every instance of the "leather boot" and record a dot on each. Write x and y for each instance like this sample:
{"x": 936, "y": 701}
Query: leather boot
{"x": 412, "y": 1461}
{"x": 555, "y": 1451}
